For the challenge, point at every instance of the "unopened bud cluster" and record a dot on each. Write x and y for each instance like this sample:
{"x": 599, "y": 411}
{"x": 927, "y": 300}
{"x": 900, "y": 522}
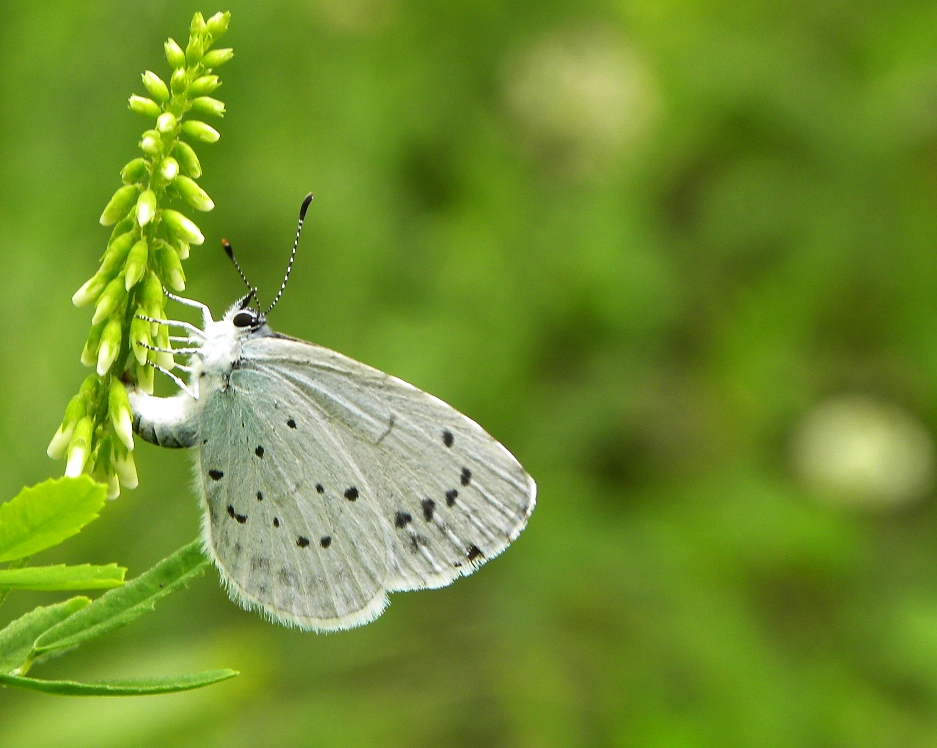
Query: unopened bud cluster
{"x": 144, "y": 254}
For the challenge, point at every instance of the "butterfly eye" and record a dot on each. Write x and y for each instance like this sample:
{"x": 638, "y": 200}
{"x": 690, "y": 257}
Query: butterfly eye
{"x": 247, "y": 318}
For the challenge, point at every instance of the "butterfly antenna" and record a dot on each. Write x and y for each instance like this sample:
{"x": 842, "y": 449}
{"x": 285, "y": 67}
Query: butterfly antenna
{"x": 230, "y": 252}
{"x": 289, "y": 267}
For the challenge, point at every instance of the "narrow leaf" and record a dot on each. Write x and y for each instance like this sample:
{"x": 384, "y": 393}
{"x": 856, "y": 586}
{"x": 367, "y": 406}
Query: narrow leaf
{"x": 46, "y": 514}
{"x": 119, "y": 607}
{"x": 16, "y": 640}
{"x": 129, "y": 687}
{"x": 62, "y": 577}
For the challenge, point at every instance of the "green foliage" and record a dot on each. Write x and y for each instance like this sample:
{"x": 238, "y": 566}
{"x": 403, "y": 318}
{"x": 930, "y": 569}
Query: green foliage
{"x": 43, "y": 516}
{"x": 121, "y": 606}
{"x": 62, "y": 577}
{"x": 143, "y": 256}
{"x": 46, "y": 514}
{"x": 96, "y": 434}
{"x": 126, "y": 687}
{"x": 18, "y": 638}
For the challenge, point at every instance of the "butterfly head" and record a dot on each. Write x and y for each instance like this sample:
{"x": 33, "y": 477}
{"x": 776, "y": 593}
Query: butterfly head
{"x": 243, "y": 316}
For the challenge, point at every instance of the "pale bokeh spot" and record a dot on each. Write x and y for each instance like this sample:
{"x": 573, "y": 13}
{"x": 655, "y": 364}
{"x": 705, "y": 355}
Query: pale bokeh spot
{"x": 860, "y": 452}
{"x": 581, "y": 99}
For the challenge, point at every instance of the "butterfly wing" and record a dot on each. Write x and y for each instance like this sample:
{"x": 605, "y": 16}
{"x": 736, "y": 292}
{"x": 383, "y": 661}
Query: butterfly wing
{"x": 446, "y": 494}
{"x": 289, "y": 518}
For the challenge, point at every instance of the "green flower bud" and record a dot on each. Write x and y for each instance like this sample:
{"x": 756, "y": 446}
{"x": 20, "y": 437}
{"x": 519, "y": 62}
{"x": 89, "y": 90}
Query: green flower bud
{"x": 89, "y": 354}
{"x": 197, "y": 25}
{"x": 78, "y": 447}
{"x": 116, "y": 254}
{"x": 204, "y": 85}
{"x": 140, "y": 338}
{"x": 59, "y": 444}
{"x": 170, "y": 267}
{"x": 122, "y": 462}
{"x": 154, "y": 84}
{"x": 90, "y": 290}
{"x": 119, "y": 205}
{"x": 193, "y": 194}
{"x": 174, "y": 54}
{"x": 217, "y": 57}
{"x": 74, "y": 412}
{"x": 194, "y": 51}
{"x": 181, "y": 247}
{"x": 146, "y": 107}
{"x": 179, "y": 81}
{"x": 134, "y": 171}
{"x": 182, "y": 227}
{"x": 166, "y": 123}
{"x": 113, "y": 486}
{"x": 151, "y": 143}
{"x": 200, "y": 131}
{"x": 187, "y": 159}
{"x": 146, "y": 207}
{"x": 110, "y": 300}
{"x": 218, "y": 24}
{"x": 208, "y": 105}
{"x": 144, "y": 376}
{"x": 118, "y": 408}
{"x": 152, "y": 298}
{"x": 162, "y": 341}
{"x": 122, "y": 227}
{"x": 169, "y": 168}
{"x": 110, "y": 345}
{"x": 135, "y": 268}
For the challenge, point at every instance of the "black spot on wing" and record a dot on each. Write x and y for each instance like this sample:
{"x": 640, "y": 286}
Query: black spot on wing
{"x": 276, "y": 522}
{"x": 447, "y": 438}
{"x": 466, "y": 476}
{"x": 215, "y": 474}
{"x": 473, "y": 552}
{"x": 325, "y": 541}
{"x": 260, "y": 496}
{"x": 450, "y": 497}
{"x": 259, "y": 451}
{"x": 401, "y": 519}
{"x": 320, "y": 488}
{"x": 429, "y": 506}
{"x": 230, "y": 511}
{"x": 351, "y": 493}
{"x": 302, "y": 542}
{"x": 291, "y": 423}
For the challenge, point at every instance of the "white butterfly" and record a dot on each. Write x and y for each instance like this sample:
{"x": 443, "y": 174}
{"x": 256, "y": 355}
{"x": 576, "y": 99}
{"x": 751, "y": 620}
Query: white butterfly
{"x": 326, "y": 483}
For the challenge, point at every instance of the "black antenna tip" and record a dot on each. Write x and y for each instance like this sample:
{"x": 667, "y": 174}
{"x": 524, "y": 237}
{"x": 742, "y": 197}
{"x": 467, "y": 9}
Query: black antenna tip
{"x": 305, "y": 207}
{"x": 227, "y": 249}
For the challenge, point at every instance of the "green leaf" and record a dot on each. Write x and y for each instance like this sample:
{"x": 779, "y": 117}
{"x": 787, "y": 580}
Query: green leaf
{"x": 17, "y": 639}
{"x": 46, "y": 514}
{"x": 129, "y": 687}
{"x": 62, "y": 577}
{"x": 119, "y": 607}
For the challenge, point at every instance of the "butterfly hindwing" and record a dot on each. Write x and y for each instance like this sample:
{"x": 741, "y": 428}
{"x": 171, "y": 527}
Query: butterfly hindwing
{"x": 447, "y": 493}
{"x": 285, "y": 534}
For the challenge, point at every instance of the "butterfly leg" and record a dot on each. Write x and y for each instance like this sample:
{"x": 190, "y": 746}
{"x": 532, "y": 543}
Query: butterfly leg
{"x": 189, "y": 328}
{"x": 206, "y": 314}
{"x": 191, "y": 392}
{"x": 175, "y": 351}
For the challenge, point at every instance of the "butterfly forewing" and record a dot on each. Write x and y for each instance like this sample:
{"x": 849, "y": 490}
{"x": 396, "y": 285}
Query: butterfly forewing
{"x": 447, "y": 493}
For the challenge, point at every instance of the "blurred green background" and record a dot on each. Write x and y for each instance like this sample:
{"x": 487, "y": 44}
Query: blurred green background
{"x": 680, "y": 257}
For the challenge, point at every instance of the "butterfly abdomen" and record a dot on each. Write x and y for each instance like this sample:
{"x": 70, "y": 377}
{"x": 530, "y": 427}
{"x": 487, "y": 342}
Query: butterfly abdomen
{"x": 165, "y": 421}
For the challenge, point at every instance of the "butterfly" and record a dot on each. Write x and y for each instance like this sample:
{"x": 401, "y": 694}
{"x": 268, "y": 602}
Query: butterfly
{"x": 325, "y": 483}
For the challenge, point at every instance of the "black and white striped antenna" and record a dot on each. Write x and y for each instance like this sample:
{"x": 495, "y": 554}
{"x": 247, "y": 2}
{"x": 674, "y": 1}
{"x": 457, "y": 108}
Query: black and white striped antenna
{"x": 289, "y": 267}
